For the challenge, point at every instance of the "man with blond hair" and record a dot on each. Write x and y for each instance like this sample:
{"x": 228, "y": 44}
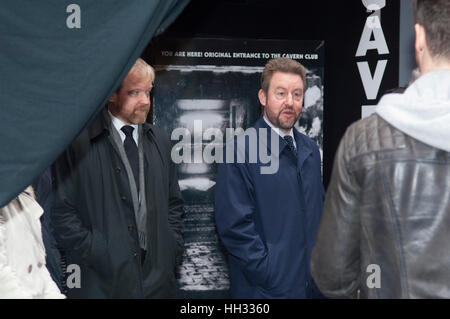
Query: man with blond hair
{"x": 385, "y": 230}
{"x": 118, "y": 208}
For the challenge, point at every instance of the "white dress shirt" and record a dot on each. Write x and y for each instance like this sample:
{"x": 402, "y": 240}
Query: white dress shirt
{"x": 279, "y": 132}
{"x": 118, "y": 124}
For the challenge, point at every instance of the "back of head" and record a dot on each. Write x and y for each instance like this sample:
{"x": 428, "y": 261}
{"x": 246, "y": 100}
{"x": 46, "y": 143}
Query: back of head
{"x": 284, "y": 65}
{"x": 434, "y": 16}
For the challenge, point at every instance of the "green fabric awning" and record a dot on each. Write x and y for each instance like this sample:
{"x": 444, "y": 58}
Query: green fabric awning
{"x": 55, "y": 77}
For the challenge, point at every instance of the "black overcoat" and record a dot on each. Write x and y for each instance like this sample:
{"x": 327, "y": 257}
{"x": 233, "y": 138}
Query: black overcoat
{"x": 94, "y": 219}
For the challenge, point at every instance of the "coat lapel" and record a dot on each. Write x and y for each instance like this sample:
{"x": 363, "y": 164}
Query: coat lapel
{"x": 303, "y": 149}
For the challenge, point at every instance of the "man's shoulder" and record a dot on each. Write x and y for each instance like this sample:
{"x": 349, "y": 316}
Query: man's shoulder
{"x": 372, "y": 134}
{"x": 155, "y": 130}
{"x": 95, "y": 129}
{"x": 306, "y": 140}
{"x": 156, "y": 135}
{"x": 250, "y": 136}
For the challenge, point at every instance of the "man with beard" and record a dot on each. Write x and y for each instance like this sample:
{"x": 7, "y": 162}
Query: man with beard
{"x": 118, "y": 208}
{"x": 268, "y": 221}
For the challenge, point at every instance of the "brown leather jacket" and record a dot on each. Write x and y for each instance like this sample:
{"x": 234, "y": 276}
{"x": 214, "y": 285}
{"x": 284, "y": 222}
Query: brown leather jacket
{"x": 388, "y": 205}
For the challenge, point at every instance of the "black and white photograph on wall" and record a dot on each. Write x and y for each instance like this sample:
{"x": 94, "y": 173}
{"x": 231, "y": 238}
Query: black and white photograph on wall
{"x": 203, "y": 89}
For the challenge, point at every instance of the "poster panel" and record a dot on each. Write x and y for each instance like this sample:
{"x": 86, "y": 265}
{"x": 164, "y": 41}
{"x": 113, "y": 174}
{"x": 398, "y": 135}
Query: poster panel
{"x": 203, "y": 88}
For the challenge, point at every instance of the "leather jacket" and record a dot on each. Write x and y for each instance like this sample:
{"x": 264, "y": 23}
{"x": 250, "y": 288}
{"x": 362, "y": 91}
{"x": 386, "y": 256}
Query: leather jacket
{"x": 385, "y": 229}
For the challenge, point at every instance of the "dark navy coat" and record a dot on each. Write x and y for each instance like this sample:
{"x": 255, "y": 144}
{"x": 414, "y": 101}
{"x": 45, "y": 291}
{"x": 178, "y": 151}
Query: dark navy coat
{"x": 268, "y": 222}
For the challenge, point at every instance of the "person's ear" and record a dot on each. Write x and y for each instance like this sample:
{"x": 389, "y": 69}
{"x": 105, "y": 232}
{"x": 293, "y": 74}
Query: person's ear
{"x": 262, "y": 97}
{"x": 420, "y": 42}
{"x": 113, "y": 98}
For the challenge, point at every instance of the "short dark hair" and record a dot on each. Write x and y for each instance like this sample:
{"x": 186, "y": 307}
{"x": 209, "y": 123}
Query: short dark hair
{"x": 285, "y": 65}
{"x": 434, "y": 16}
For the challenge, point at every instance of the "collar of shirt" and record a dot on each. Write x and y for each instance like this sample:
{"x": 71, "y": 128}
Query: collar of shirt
{"x": 279, "y": 132}
{"x": 118, "y": 124}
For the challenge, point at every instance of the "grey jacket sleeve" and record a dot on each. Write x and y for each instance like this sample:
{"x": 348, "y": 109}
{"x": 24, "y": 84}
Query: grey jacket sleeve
{"x": 335, "y": 263}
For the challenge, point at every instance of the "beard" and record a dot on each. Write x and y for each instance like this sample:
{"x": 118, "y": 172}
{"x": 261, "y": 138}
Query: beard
{"x": 283, "y": 123}
{"x": 140, "y": 114}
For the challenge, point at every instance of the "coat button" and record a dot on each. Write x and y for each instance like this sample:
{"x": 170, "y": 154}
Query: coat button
{"x": 123, "y": 198}
{"x": 135, "y": 255}
{"x": 40, "y": 265}
{"x": 118, "y": 169}
{"x": 30, "y": 268}
{"x": 130, "y": 227}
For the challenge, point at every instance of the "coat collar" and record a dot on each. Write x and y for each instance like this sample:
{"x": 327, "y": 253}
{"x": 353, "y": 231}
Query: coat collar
{"x": 304, "y": 149}
{"x": 102, "y": 124}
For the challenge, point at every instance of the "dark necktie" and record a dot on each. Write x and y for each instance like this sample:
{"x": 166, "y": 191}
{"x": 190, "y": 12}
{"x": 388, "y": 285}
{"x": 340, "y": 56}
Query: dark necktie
{"x": 132, "y": 152}
{"x": 290, "y": 143}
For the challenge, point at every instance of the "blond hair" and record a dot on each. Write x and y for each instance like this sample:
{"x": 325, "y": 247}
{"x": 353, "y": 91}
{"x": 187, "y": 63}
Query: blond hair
{"x": 144, "y": 69}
